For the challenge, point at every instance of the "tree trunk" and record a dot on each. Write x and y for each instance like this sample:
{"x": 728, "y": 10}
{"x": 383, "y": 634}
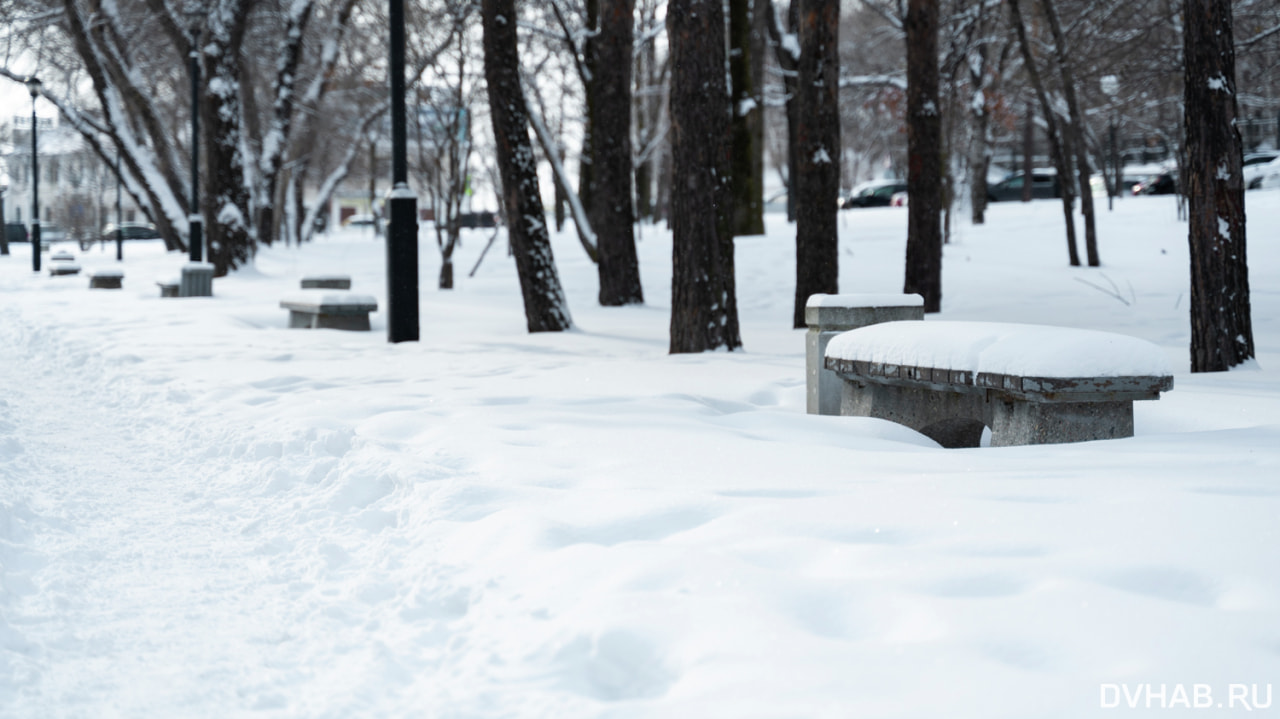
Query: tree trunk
{"x": 747, "y": 124}
{"x": 788, "y": 61}
{"x": 1221, "y": 325}
{"x": 704, "y": 312}
{"x": 816, "y": 176}
{"x": 924, "y": 156}
{"x": 587, "y": 157}
{"x": 544, "y": 302}
{"x": 610, "y": 212}
{"x": 1059, "y": 143}
{"x": 1075, "y": 127}
{"x": 226, "y": 208}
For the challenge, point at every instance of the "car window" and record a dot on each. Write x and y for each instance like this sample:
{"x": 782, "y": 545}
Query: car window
{"x": 1013, "y": 182}
{"x": 885, "y": 191}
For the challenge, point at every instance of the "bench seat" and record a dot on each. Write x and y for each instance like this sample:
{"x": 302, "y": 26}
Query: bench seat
{"x": 1030, "y": 384}
{"x": 329, "y": 309}
{"x": 326, "y": 282}
{"x": 107, "y": 278}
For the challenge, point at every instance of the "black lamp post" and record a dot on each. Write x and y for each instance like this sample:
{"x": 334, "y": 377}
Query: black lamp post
{"x": 119, "y": 213}
{"x": 194, "y": 218}
{"x": 33, "y": 86}
{"x": 1110, "y": 86}
{"x": 4, "y": 226}
{"x": 402, "y": 235}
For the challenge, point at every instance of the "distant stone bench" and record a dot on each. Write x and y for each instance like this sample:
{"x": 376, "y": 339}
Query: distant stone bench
{"x": 169, "y": 288}
{"x": 1030, "y": 384}
{"x": 828, "y": 316}
{"x": 109, "y": 278}
{"x": 326, "y": 282}
{"x": 63, "y": 263}
{"x": 329, "y": 309}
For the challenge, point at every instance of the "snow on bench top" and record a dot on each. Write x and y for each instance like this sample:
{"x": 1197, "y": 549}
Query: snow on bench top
{"x": 866, "y": 299}
{"x": 107, "y": 272}
{"x": 326, "y": 277}
{"x": 1001, "y": 348}
{"x": 329, "y": 298}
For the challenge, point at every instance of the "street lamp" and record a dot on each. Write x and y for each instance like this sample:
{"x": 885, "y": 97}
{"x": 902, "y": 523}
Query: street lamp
{"x": 119, "y": 228}
{"x": 194, "y": 218}
{"x": 1110, "y": 86}
{"x": 4, "y": 227}
{"x": 402, "y": 234}
{"x": 33, "y": 86}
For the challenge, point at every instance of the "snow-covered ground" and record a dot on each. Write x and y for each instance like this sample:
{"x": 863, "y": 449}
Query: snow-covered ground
{"x": 205, "y": 514}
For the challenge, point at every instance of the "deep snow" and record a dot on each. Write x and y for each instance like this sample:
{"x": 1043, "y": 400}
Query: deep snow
{"x": 203, "y": 513}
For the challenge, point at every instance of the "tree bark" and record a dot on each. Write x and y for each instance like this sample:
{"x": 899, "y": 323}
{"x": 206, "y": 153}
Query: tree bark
{"x": 704, "y": 312}
{"x": 924, "y": 156}
{"x": 816, "y": 176}
{"x": 747, "y": 124}
{"x": 544, "y": 302}
{"x": 610, "y": 212}
{"x": 1221, "y": 323}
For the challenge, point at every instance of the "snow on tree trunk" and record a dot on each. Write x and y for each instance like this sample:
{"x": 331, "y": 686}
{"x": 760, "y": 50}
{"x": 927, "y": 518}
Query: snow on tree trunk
{"x": 1221, "y": 325}
{"x": 924, "y": 155}
{"x": 816, "y": 174}
{"x": 544, "y": 303}
{"x": 704, "y": 310}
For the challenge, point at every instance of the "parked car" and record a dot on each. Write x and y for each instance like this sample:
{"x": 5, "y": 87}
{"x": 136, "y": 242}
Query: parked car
{"x": 361, "y": 220}
{"x": 130, "y": 231}
{"x": 1044, "y": 185}
{"x": 1164, "y": 183}
{"x": 878, "y": 193}
{"x": 50, "y": 233}
{"x": 16, "y": 232}
{"x": 476, "y": 220}
{"x": 1255, "y": 165}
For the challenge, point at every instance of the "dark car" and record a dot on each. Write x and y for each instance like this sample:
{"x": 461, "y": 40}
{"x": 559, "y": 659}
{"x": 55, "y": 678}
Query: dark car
{"x": 1044, "y": 185}
{"x": 1165, "y": 183}
{"x": 131, "y": 231}
{"x": 476, "y": 220}
{"x": 16, "y": 232}
{"x": 879, "y": 194}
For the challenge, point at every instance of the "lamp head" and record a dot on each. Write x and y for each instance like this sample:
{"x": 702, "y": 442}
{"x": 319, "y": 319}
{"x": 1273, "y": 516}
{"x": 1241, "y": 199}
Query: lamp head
{"x": 34, "y": 85}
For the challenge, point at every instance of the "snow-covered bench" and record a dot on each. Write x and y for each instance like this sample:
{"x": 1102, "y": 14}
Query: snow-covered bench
{"x": 107, "y": 278}
{"x": 829, "y": 315}
{"x": 63, "y": 263}
{"x": 329, "y": 309}
{"x": 1030, "y": 384}
{"x": 326, "y": 282}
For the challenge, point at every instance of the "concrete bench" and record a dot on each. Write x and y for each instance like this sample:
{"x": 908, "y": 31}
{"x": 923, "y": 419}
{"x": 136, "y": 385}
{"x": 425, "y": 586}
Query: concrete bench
{"x": 110, "y": 278}
{"x": 329, "y": 309}
{"x": 828, "y": 316}
{"x": 326, "y": 282}
{"x": 169, "y": 288}
{"x": 197, "y": 280}
{"x": 1030, "y": 384}
{"x": 63, "y": 263}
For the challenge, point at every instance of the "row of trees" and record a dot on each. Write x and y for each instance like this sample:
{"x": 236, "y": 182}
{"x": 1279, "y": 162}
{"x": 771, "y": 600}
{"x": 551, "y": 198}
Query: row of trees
{"x": 664, "y": 123}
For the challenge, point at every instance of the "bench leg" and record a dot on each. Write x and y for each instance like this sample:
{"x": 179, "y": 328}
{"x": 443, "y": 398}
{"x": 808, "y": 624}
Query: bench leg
{"x": 1015, "y": 423}
{"x": 301, "y": 320}
{"x": 951, "y": 419}
{"x": 357, "y": 323}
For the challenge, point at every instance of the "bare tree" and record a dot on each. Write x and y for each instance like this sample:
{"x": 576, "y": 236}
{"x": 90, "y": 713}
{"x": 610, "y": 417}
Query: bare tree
{"x": 816, "y": 176}
{"x": 1221, "y": 323}
{"x": 704, "y": 308}
{"x": 544, "y": 303}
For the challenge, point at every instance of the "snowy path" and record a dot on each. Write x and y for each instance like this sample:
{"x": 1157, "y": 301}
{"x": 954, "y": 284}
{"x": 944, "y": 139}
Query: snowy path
{"x": 129, "y": 576}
